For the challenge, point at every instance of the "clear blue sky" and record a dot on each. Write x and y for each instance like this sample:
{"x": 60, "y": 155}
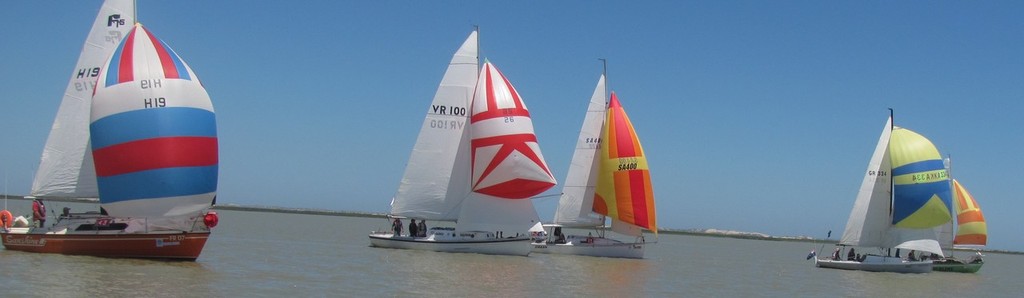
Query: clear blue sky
{"x": 755, "y": 115}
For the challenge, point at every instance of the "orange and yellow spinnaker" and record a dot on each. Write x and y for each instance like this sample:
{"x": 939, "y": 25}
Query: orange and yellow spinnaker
{"x": 971, "y": 227}
{"x": 624, "y": 189}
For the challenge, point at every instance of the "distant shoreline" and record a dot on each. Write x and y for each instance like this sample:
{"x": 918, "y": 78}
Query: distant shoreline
{"x": 690, "y": 232}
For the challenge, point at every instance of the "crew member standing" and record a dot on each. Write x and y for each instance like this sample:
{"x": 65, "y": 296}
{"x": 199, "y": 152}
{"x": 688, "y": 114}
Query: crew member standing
{"x": 39, "y": 212}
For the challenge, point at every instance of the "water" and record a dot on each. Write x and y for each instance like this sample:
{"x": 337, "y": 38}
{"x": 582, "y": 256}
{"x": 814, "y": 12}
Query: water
{"x": 274, "y": 254}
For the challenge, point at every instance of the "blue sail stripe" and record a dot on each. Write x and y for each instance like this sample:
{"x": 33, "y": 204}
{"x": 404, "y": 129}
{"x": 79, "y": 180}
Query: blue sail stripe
{"x": 911, "y": 197}
{"x": 180, "y": 66}
{"x": 921, "y": 166}
{"x": 161, "y": 183}
{"x": 152, "y": 123}
{"x": 115, "y": 62}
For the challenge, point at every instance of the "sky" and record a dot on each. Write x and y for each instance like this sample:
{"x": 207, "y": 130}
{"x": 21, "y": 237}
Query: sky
{"x": 755, "y": 116}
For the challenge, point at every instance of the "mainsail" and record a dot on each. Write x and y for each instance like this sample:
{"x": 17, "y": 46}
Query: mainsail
{"x": 575, "y": 205}
{"x": 66, "y": 167}
{"x": 436, "y": 179}
{"x": 971, "y": 227}
{"x": 624, "y": 192}
{"x": 154, "y": 135}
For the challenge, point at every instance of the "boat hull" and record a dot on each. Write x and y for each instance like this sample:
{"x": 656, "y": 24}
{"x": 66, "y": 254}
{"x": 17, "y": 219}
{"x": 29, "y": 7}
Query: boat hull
{"x": 185, "y": 246}
{"x": 599, "y": 247}
{"x": 878, "y": 264}
{"x": 519, "y": 246}
{"x": 951, "y": 265}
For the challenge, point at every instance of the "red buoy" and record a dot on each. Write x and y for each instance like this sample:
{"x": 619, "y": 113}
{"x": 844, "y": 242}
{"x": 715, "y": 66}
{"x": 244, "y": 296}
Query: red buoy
{"x": 210, "y": 219}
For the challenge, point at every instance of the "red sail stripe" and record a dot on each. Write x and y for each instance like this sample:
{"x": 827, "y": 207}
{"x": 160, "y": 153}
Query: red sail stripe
{"x": 600, "y": 207}
{"x": 516, "y": 188}
{"x": 509, "y": 143}
{"x": 157, "y": 153}
{"x": 126, "y": 69}
{"x": 625, "y": 144}
{"x": 499, "y": 113}
{"x": 170, "y": 71}
{"x": 639, "y": 197}
{"x": 492, "y": 103}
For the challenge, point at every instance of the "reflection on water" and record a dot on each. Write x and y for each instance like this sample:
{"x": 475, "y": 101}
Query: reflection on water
{"x": 268, "y": 254}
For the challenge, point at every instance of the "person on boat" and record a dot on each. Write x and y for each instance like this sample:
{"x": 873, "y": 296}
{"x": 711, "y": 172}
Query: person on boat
{"x": 414, "y": 229}
{"x": 39, "y": 212}
{"x": 396, "y": 226}
{"x": 911, "y": 257}
{"x": 423, "y": 228}
{"x": 835, "y": 255}
{"x": 851, "y": 256}
{"x": 4, "y": 219}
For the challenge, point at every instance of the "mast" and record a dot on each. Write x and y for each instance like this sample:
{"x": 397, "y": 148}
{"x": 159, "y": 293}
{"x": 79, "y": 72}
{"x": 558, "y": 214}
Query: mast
{"x": 478, "y": 55}
{"x": 892, "y": 124}
{"x": 952, "y": 211}
{"x": 604, "y": 72}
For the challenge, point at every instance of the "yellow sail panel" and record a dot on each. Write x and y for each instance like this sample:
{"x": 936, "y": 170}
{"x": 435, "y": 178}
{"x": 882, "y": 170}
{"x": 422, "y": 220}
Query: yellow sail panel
{"x": 971, "y": 226}
{"x": 624, "y": 190}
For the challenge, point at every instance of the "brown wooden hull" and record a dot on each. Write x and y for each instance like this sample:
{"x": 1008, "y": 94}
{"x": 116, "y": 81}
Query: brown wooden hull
{"x": 178, "y": 246}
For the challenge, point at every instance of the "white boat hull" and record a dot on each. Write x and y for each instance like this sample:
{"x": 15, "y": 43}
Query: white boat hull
{"x": 515, "y": 246}
{"x": 598, "y": 247}
{"x": 878, "y": 264}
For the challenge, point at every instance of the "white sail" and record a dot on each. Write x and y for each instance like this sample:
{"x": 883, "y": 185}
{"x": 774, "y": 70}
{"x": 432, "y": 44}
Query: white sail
{"x": 436, "y": 178}
{"x": 575, "y": 205}
{"x": 626, "y": 228}
{"x": 66, "y": 167}
{"x": 481, "y": 212}
{"x": 869, "y": 220}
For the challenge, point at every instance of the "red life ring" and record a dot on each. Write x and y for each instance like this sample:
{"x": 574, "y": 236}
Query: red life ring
{"x": 6, "y": 219}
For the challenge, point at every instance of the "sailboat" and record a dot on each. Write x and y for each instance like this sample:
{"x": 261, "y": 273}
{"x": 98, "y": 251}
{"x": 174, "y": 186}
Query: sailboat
{"x": 904, "y": 196}
{"x": 971, "y": 232}
{"x": 476, "y": 162}
{"x": 150, "y": 149}
{"x": 608, "y": 177}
